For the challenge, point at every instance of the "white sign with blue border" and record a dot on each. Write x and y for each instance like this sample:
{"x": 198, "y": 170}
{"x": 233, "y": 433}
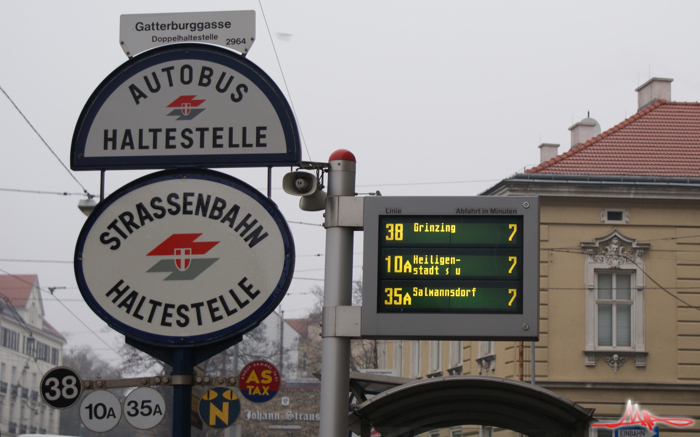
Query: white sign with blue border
{"x": 186, "y": 105}
{"x": 184, "y": 257}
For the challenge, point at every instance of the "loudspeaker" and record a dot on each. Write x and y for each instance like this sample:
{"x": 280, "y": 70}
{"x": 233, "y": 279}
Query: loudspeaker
{"x": 301, "y": 183}
{"x": 313, "y": 202}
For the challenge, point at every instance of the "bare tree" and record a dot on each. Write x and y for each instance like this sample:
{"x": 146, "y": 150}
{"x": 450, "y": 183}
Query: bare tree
{"x": 89, "y": 366}
{"x": 363, "y": 352}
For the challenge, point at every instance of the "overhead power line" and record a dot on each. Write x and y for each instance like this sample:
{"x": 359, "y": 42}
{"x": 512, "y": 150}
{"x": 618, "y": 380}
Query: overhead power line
{"x": 45, "y": 143}
{"x": 284, "y": 79}
{"x": 661, "y": 287}
{"x": 60, "y": 193}
{"x": 66, "y": 308}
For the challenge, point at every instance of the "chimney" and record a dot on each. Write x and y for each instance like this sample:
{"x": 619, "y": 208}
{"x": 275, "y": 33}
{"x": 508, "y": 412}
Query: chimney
{"x": 548, "y": 151}
{"x": 654, "y": 89}
{"x": 583, "y": 131}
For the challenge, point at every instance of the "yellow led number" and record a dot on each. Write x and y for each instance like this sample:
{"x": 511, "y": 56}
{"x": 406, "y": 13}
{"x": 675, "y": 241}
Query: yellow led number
{"x": 514, "y": 292}
{"x": 395, "y": 231}
{"x": 514, "y": 227}
{"x": 395, "y": 296}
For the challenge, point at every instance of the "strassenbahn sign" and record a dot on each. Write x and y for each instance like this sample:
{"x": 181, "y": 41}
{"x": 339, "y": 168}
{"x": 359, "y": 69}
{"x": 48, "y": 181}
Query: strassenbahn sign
{"x": 184, "y": 258}
{"x": 186, "y": 105}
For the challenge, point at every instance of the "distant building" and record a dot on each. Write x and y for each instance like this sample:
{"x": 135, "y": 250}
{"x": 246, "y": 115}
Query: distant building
{"x": 619, "y": 272}
{"x": 276, "y": 332}
{"x": 309, "y": 345}
{"x": 30, "y": 346}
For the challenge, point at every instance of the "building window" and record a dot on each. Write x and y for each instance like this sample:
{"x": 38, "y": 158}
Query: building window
{"x": 398, "y": 357}
{"x": 611, "y": 215}
{"x": 415, "y": 359}
{"x": 614, "y": 280}
{"x": 54, "y": 356}
{"x": 487, "y": 357}
{"x": 600, "y": 432}
{"x": 43, "y": 352}
{"x": 485, "y": 431}
{"x": 455, "y": 358}
{"x": 10, "y": 339}
{"x": 435, "y": 352}
{"x": 456, "y": 432}
{"x": 614, "y": 309}
{"x": 381, "y": 354}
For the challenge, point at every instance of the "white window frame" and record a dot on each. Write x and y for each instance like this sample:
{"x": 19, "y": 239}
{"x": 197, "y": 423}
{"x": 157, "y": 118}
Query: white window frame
{"x": 625, "y": 216}
{"x": 435, "y": 358}
{"x": 485, "y": 431}
{"x": 615, "y": 302}
{"x": 486, "y": 348}
{"x": 398, "y": 357}
{"x": 615, "y": 253}
{"x": 381, "y": 354}
{"x": 415, "y": 359}
{"x": 486, "y": 358}
{"x": 455, "y": 367}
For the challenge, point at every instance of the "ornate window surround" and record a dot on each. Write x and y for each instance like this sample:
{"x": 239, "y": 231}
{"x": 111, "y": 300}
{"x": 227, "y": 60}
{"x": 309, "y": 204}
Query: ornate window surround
{"x": 487, "y": 357}
{"x": 615, "y": 251}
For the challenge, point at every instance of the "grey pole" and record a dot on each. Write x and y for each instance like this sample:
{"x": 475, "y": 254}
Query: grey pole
{"x": 532, "y": 363}
{"x": 335, "y": 356}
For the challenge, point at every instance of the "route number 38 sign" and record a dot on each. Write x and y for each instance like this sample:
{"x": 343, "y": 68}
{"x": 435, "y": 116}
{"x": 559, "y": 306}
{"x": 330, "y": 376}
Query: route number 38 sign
{"x": 61, "y": 387}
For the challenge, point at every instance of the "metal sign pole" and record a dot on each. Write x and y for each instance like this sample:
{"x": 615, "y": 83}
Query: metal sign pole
{"x": 183, "y": 373}
{"x": 335, "y": 370}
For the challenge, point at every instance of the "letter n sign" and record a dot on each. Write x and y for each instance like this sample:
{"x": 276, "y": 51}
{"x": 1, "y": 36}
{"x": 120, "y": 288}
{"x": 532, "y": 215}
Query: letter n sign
{"x": 219, "y": 407}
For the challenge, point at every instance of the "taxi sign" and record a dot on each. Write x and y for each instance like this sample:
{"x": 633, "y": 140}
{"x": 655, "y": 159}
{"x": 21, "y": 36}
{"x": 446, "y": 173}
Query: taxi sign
{"x": 186, "y": 105}
{"x": 231, "y": 29}
{"x": 184, "y": 258}
{"x": 259, "y": 381}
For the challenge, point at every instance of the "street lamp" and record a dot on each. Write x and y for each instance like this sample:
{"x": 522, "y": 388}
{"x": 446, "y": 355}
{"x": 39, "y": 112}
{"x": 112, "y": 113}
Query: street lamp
{"x": 87, "y": 205}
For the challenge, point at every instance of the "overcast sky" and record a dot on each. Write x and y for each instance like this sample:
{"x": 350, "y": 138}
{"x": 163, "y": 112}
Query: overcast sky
{"x": 439, "y": 98}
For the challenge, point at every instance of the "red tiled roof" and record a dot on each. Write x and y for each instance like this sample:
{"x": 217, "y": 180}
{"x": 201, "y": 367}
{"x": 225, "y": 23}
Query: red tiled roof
{"x": 302, "y": 325}
{"x": 17, "y": 288}
{"x": 299, "y": 325}
{"x": 661, "y": 140}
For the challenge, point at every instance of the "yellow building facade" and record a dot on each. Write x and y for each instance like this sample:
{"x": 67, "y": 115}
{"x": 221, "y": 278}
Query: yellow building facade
{"x": 619, "y": 274}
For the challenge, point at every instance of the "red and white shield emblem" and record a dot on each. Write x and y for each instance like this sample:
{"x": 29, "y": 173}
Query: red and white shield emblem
{"x": 183, "y": 259}
{"x": 186, "y": 108}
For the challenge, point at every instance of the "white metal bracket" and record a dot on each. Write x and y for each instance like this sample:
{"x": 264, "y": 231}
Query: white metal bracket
{"x": 345, "y": 211}
{"x": 342, "y": 321}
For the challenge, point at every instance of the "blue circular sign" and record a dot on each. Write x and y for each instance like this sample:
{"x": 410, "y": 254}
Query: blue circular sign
{"x": 184, "y": 258}
{"x": 219, "y": 407}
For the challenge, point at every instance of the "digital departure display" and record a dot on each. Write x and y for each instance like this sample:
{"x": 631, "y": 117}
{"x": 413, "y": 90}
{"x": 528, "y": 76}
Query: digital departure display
{"x": 450, "y": 264}
{"x": 451, "y": 268}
